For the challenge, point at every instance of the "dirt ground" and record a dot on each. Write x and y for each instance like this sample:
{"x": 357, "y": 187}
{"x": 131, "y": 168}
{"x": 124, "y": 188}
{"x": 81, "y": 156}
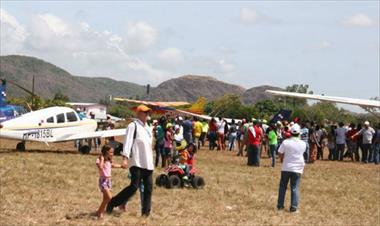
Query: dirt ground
{"x": 57, "y": 186}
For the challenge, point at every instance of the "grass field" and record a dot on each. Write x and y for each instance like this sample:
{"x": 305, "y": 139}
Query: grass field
{"x": 56, "y": 186}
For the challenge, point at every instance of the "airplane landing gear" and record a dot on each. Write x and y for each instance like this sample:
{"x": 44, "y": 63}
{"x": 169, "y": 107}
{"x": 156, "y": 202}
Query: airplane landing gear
{"x": 20, "y": 146}
{"x": 85, "y": 149}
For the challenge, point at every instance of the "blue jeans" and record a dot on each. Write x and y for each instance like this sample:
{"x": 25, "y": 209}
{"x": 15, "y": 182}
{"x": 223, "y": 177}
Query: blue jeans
{"x": 295, "y": 179}
{"x": 188, "y": 137}
{"x": 253, "y": 155}
{"x": 366, "y": 148}
{"x": 273, "y": 148}
{"x": 340, "y": 150}
{"x": 212, "y": 140}
{"x": 231, "y": 140}
{"x": 159, "y": 150}
{"x": 376, "y": 153}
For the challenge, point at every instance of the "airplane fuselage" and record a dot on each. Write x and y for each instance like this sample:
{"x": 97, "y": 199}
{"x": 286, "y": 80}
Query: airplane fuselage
{"x": 47, "y": 125}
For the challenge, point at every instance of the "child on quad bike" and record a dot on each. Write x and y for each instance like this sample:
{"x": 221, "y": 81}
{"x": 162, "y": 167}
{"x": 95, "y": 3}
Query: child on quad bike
{"x": 186, "y": 161}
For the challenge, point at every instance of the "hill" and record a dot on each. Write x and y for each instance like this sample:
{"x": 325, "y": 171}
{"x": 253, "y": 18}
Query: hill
{"x": 190, "y": 87}
{"x": 50, "y": 79}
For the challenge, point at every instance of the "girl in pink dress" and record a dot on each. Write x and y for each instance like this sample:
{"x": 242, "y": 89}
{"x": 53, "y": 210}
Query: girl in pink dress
{"x": 104, "y": 164}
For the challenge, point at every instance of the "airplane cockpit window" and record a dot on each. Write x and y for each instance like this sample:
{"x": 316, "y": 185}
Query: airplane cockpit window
{"x": 61, "y": 118}
{"x": 71, "y": 117}
{"x": 50, "y": 120}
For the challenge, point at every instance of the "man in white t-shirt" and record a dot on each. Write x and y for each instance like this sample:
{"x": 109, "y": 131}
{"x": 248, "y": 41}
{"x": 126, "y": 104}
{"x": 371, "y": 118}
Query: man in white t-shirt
{"x": 291, "y": 153}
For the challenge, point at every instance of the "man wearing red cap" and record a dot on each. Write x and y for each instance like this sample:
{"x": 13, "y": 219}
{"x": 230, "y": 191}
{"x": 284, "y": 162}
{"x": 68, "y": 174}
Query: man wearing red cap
{"x": 138, "y": 156}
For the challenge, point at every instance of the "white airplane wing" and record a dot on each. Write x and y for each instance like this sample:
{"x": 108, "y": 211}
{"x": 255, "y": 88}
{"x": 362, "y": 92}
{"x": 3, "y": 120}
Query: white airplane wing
{"x": 96, "y": 134}
{"x": 360, "y": 102}
{"x": 205, "y": 117}
{"x": 182, "y": 112}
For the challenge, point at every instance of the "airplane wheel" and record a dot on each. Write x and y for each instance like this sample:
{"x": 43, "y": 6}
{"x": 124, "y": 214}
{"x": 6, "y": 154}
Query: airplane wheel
{"x": 20, "y": 146}
{"x": 85, "y": 149}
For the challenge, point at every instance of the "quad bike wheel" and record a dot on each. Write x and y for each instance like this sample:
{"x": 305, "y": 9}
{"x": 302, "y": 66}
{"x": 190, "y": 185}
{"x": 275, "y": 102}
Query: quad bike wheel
{"x": 198, "y": 182}
{"x": 162, "y": 180}
{"x": 85, "y": 149}
{"x": 174, "y": 182}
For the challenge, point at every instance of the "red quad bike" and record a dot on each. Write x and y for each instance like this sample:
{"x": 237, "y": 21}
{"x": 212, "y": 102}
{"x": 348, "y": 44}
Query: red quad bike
{"x": 173, "y": 178}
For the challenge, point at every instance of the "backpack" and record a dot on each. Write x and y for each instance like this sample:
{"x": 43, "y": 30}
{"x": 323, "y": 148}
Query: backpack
{"x": 134, "y": 138}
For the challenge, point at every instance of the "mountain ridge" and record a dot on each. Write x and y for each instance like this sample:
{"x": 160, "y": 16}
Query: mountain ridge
{"x": 21, "y": 69}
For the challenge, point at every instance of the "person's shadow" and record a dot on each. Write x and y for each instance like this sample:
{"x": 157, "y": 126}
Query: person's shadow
{"x": 88, "y": 215}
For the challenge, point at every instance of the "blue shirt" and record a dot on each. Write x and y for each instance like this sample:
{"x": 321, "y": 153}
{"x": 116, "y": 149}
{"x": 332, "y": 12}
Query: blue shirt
{"x": 305, "y": 134}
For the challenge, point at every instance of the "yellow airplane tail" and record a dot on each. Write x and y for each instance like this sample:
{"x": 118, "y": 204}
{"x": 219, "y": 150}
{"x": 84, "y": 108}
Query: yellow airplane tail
{"x": 198, "y": 106}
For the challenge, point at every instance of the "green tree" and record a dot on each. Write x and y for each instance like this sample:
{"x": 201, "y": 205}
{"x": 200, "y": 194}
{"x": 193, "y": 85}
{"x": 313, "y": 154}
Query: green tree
{"x": 267, "y": 108}
{"x": 120, "y": 111}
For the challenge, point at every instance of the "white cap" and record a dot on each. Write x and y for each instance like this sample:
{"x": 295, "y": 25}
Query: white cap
{"x": 180, "y": 118}
{"x": 291, "y": 123}
{"x": 176, "y": 127}
{"x": 78, "y": 109}
{"x": 295, "y": 129}
{"x": 366, "y": 123}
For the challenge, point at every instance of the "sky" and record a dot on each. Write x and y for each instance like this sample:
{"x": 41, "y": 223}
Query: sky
{"x": 332, "y": 46}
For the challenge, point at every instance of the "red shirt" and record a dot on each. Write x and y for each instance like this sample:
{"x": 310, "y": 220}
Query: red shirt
{"x": 255, "y": 139}
{"x": 350, "y": 133}
{"x": 212, "y": 127}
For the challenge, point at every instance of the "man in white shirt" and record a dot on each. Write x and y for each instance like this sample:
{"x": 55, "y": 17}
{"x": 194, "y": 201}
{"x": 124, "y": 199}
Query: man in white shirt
{"x": 291, "y": 153}
{"x": 138, "y": 155}
{"x": 367, "y": 132}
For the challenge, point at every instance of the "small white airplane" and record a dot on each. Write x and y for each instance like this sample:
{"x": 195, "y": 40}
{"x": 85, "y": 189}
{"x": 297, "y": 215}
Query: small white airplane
{"x": 53, "y": 124}
{"x": 368, "y": 105}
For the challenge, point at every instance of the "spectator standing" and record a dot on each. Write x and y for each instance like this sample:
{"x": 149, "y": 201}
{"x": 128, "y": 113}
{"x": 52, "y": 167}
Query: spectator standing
{"x": 291, "y": 154}
{"x": 220, "y": 133}
{"x": 272, "y": 139}
{"x": 340, "y": 134}
{"x": 197, "y": 132}
{"x": 188, "y": 130}
{"x": 212, "y": 133}
{"x": 305, "y": 138}
{"x": 138, "y": 155}
{"x": 232, "y": 134}
{"x": 254, "y": 137}
{"x": 376, "y": 145}
{"x": 367, "y": 132}
{"x": 352, "y": 142}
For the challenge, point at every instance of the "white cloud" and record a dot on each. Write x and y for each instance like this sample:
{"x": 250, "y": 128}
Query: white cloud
{"x": 359, "y": 20}
{"x": 12, "y": 33}
{"x": 140, "y": 36}
{"x": 248, "y": 16}
{"x": 171, "y": 57}
{"x": 81, "y": 49}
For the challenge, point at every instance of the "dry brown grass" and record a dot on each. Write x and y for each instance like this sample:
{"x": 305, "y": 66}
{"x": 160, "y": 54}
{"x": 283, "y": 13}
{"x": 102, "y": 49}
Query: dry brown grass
{"x": 61, "y": 189}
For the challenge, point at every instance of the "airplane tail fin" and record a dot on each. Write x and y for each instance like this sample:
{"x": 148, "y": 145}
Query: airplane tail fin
{"x": 3, "y": 94}
{"x": 283, "y": 114}
{"x": 198, "y": 106}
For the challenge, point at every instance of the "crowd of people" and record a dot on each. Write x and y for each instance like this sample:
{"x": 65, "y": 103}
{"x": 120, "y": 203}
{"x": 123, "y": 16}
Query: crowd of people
{"x": 257, "y": 138}
{"x": 175, "y": 140}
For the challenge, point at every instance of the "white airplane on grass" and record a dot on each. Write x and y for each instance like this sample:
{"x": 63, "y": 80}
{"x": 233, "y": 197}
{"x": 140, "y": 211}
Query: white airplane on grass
{"x": 368, "y": 105}
{"x": 53, "y": 124}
